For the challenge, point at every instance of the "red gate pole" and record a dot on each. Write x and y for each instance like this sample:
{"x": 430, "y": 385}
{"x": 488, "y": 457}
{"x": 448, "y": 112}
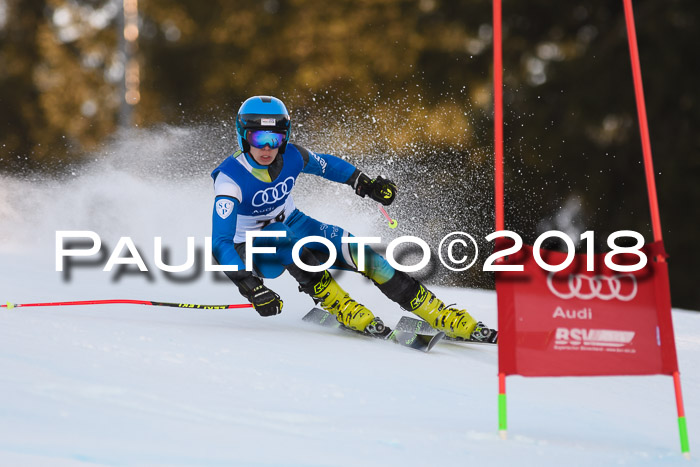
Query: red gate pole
{"x": 498, "y": 173}
{"x": 682, "y": 426}
{"x": 498, "y": 113}
{"x": 643, "y": 125}
{"x": 502, "y": 407}
{"x": 651, "y": 190}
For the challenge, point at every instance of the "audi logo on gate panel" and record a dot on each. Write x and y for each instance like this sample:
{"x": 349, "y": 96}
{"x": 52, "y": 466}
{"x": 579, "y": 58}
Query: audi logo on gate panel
{"x": 601, "y": 287}
{"x": 274, "y": 193}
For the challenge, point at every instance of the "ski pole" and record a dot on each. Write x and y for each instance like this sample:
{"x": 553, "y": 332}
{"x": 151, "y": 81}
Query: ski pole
{"x": 9, "y": 305}
{"x": 392, "y": 222}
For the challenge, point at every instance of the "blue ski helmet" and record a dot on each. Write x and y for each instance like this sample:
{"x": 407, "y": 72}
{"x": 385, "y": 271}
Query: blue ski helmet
{"x": 262, "y": 113}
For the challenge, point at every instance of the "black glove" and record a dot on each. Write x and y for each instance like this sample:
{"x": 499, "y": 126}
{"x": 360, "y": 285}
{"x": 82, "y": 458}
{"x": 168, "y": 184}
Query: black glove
{"x": 265, "y": 301}
{"x": 380, "y": 189}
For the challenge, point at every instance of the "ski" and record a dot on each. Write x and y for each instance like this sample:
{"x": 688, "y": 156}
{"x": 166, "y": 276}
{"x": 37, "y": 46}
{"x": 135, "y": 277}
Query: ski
{"x": 408, "y": 324}
{"x": 408, "y": 338}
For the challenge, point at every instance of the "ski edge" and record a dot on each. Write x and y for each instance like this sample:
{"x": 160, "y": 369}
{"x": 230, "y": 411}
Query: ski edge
{"x": 407, "y": 338}
{"x": 406, "y": 323}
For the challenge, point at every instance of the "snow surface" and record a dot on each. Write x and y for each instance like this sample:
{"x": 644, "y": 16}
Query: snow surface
{"x": 128, "y": 385}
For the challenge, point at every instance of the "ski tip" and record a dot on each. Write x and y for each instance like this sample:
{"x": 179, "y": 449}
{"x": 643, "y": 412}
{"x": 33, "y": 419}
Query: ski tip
{"x": 315, "y": 314}
{"x": 413, "y": 340}
{"x": 308, "y": 316}
{"x": 436, "y": 338}
{"x": 503, "y": 434}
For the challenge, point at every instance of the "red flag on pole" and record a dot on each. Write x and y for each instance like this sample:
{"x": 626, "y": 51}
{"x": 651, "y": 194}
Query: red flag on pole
{"x": 580, "y": 323}
{"x": 576, "y": 322}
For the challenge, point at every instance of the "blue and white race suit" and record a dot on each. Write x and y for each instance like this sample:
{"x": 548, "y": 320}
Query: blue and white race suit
{"x": 250, "y": 197}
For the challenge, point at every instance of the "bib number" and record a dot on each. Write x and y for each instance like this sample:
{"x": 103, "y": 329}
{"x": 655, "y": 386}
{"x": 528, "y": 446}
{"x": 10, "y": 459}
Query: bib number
{"x": 279, "y": 218}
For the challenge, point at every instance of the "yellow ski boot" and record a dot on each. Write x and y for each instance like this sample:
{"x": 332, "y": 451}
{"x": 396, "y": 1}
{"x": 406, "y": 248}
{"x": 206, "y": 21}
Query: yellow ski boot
{"x": 454, "y": 322}
{"x": 332, "y": 298}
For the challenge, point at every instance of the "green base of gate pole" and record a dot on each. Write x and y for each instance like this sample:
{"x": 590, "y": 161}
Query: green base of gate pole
{"x": 683, "y": 431}
{"x": 502, "y": 417}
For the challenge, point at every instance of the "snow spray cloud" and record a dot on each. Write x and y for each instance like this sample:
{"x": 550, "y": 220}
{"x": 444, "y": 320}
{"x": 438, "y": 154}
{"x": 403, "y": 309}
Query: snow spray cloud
{"x": 154, "y": 183}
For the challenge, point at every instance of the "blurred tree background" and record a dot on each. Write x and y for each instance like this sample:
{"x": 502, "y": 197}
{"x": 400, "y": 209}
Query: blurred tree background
{"x": 413, "y": 77}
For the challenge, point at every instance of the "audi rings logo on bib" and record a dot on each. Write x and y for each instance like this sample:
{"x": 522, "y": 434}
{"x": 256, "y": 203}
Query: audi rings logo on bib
{"x": 619, "y": 286}
{"x": 274, "y": 193}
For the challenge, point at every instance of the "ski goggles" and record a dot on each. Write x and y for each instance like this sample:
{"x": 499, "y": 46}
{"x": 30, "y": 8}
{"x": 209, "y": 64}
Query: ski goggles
{"x": 261, "y": 138}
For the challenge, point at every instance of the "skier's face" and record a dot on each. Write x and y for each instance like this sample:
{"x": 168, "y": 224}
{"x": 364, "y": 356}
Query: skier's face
{"x": 264, "y": 156}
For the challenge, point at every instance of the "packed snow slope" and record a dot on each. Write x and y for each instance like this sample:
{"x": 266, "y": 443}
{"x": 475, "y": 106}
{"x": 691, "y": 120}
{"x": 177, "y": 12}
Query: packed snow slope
{"x": 128, "y": 385}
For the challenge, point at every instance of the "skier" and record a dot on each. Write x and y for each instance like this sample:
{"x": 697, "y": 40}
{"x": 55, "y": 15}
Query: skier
{"x": 253, "y": 192}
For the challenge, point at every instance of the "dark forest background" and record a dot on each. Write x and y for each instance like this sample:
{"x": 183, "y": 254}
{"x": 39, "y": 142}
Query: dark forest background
{"x": 414, "y": 80}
